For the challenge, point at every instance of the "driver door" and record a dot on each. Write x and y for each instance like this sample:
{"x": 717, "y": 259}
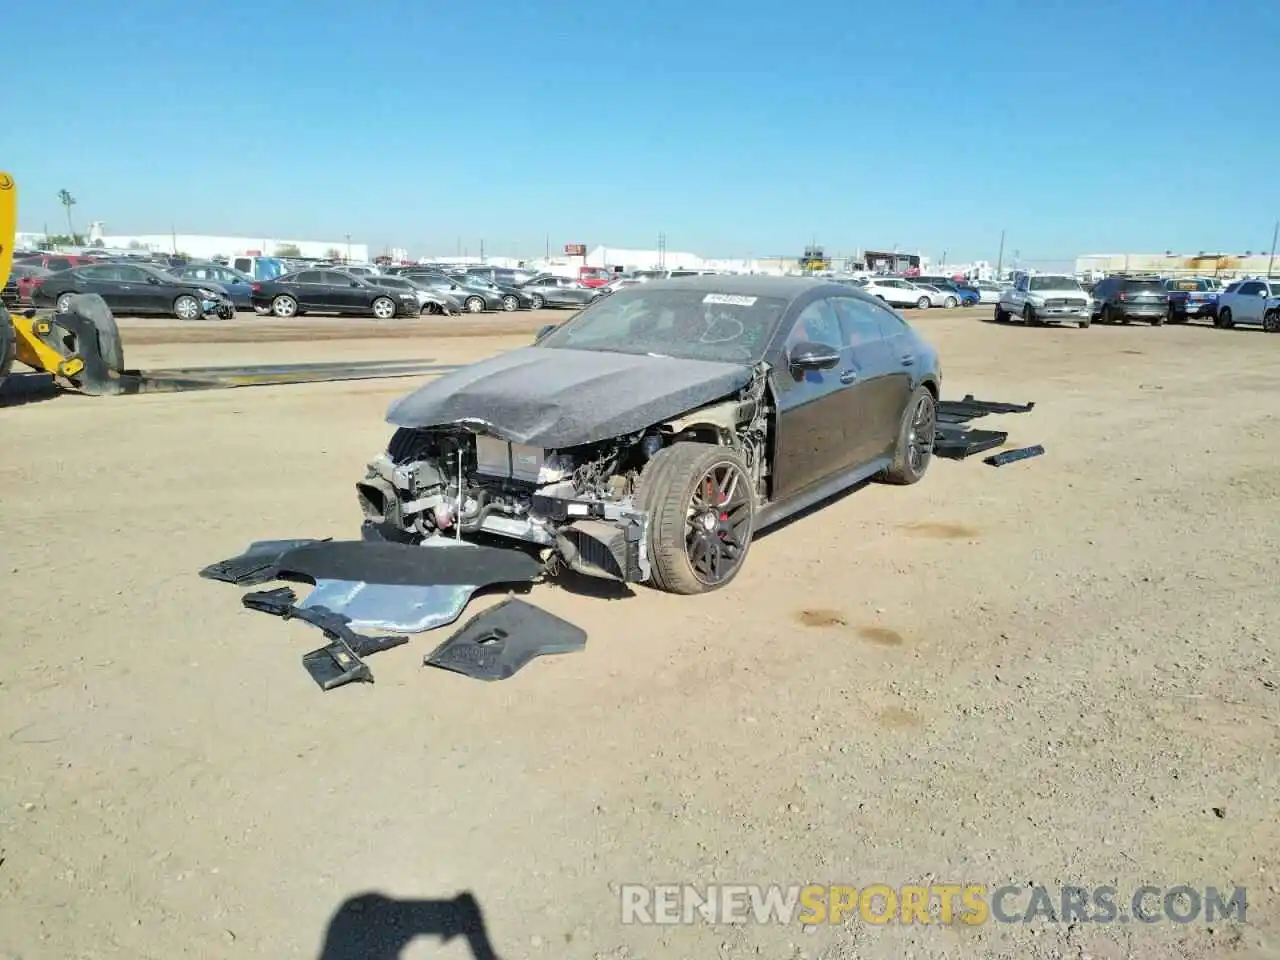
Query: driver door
{"x": 137, "y": 291}
{"x": 817, "y": 409}
{"x": 104, "y": 280}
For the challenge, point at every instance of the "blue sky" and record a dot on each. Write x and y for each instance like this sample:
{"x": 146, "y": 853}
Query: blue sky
{"x": 733, "y": 128}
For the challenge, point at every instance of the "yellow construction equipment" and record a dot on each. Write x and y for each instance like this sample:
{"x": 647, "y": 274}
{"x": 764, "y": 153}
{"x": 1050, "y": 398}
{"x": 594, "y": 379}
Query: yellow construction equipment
{"x": 80, "y": 349}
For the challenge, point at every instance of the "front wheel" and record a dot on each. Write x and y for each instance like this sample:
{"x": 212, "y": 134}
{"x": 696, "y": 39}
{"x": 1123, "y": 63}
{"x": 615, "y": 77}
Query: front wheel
{"x": 923, "y": 303}
{"x": 1028, "y": 316}
{"x": 701, "y": 508}
{"x": 474, "y": 305}
{"x": 1001, "y": 314}
{"x": 1271, "y": 321}
{"x": 186, "y": 308}
{"x": 916, "y": 437}
{"x": 1083, "y": 324}
{"x": 429, "y": 310}
{"x": 1225, "y": 320}
{"x": 510, "y": 304}
{"x": 64, "y": 303}
{"x": 384, "y": 308}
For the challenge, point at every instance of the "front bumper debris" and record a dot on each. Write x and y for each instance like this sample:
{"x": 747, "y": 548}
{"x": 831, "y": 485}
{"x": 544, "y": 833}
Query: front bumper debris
{"x": 495, "y": 644}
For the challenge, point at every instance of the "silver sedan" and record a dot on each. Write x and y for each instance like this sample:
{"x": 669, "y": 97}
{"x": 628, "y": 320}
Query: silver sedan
{"x": 937, "y": 297}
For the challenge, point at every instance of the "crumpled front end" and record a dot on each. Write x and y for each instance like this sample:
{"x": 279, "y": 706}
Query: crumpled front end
{"x": 574, "y": 508}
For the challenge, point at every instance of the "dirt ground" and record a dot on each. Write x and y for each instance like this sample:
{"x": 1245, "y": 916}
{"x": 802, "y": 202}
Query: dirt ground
{"x": 1062, "y": 671}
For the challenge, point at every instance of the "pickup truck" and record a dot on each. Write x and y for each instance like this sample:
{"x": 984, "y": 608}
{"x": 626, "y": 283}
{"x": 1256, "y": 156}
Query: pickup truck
{"x": 1042, "y": 298}
{"x": 1251, "y": 301}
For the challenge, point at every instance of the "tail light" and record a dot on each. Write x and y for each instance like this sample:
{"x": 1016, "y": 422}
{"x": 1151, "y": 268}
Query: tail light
{"x": 37, "y": 282}
{"x": 256, "y": 288}
{"x": 1123, "y": 296}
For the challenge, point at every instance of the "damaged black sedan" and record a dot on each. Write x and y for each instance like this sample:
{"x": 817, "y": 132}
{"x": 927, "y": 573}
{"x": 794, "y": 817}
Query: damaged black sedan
{"x": 648, "y": 437}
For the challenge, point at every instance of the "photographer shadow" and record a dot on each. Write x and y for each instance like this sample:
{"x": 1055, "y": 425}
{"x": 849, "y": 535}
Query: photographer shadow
{"x": 372, "y": 926}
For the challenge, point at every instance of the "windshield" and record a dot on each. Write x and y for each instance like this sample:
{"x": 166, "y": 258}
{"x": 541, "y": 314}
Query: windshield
{"x": 1144, "y": 285}
{"x": 1055, "y": 283}
{"x": 689, "y": 324}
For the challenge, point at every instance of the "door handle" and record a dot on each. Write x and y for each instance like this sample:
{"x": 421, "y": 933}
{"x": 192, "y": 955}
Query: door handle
{"x": 849, "y": 376}
{"x": 908, "y": 359}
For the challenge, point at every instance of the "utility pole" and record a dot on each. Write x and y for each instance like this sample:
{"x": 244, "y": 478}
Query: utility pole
{"x": 1275, "y": 234}
{"x": 547, "y": 254}
{"x": 662, "y": 251}
{"x": 482, "y": 251}
{"x": 347, "y": 237}
{"x": 1000, "y": 256}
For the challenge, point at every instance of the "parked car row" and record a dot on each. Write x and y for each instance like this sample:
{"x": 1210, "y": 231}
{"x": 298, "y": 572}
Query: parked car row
{"x": 1124, "y": 298}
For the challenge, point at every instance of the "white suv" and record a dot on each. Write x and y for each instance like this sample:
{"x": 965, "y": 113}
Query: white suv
{"x": 898, "y": 293}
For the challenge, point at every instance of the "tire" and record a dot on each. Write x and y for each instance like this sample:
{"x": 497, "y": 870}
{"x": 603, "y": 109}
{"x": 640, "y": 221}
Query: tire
{"x": 429, "y": 310}
{"x": 923, "y": 303}
{"x": 261, "y": 310}
{"x": 474, "y": 305}
{"x": 912, "y": 456}
{"x": 1271, "y": 321}
{"x": 63, "y": 304}
{"x": 1105, "y": 316}
{"x": 1224, "y": 319}
{"x": 673, "y": 483}
{"x": 1001, "y": 314}
{"x": 284, "y": 307}
{"x": 187, "y": 307}
{"x": 1160, "y": 320}
{"x": 1029, "y": 316}
{"x": 384, "y": 308}
{"x": 510, "y": 304}
{"x": 950, "y": 303}
{"x": 8, "y": 343}
{"x": 1083, "y": 324}
{"x": 538, "y": 302}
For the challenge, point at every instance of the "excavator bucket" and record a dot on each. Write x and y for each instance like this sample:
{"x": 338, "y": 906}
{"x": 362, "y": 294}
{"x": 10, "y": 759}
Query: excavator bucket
{"x": 81, "y": 348}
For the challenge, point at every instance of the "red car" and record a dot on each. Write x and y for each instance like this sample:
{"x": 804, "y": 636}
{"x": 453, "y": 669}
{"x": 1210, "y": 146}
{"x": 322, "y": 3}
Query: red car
{"x": 53, "y": 262}
{"x": 594, "y": 276}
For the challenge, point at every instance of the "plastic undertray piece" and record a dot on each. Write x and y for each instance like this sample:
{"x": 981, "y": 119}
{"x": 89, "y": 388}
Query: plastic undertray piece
{"x": 495, "y": 644}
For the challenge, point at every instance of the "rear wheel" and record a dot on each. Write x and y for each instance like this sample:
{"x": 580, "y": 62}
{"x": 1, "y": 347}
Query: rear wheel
{"x": 950, "y": 303}
{"x": 916, "y": 437}
{"x": 64, "y": 303}
{"x": 538, "y": 302}
{"x": 1001, "y": 315}
{"x": 701, "y": 509}
{"x": 284, "y": 307}
{"x": 510, "y": 303}
{"x": 429, "y": 309}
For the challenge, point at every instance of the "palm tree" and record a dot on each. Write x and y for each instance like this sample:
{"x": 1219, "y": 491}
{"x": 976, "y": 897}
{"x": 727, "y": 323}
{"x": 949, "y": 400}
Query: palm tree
{"x": 67, "y": 200}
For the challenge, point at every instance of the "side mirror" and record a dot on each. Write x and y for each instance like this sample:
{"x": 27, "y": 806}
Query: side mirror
{"x": 154, "y": 281}
{"x": 813, "y": 356}
{"x": 355, "y": 283}
{"x": 543, "y": 331}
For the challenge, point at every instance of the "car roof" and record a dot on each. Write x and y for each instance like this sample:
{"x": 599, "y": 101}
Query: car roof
{"x": 783, "y": 288}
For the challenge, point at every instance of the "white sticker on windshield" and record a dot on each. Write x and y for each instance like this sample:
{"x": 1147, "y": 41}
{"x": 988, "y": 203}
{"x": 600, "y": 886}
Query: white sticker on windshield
{"x": 730, "y": 299}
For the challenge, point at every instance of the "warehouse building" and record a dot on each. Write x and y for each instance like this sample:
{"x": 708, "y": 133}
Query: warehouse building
{"x": 1169, "y": 264}
{"x": 204, "y": 247}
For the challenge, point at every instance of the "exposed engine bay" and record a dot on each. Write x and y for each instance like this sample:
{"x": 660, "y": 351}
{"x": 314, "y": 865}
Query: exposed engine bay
{"x": 577, "y": 507}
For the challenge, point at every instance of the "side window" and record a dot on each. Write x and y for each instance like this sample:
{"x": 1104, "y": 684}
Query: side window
{"x": 1024, "y": 284}
{"x": 243, "y": 264}
{"x": 59, "y": 263}
{"x": 817, "y": 323}
{"x": 309, "y": 276}
{"x": 859, "y": 322}
{"x": 132, "y": 275}
{"x": 1250, "y": 289}
{"x": 333, "y": 279}
{"x": 100, "y": 273}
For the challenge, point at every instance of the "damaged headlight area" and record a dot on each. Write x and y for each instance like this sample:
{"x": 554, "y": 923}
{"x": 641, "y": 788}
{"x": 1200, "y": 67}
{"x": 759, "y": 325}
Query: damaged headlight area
{"x": 578, "y": 507}
{"x": 575, "y": 507}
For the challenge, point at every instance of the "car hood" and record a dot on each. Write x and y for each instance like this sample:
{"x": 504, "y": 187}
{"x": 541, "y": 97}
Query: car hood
{"x": 555, "y": 398}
